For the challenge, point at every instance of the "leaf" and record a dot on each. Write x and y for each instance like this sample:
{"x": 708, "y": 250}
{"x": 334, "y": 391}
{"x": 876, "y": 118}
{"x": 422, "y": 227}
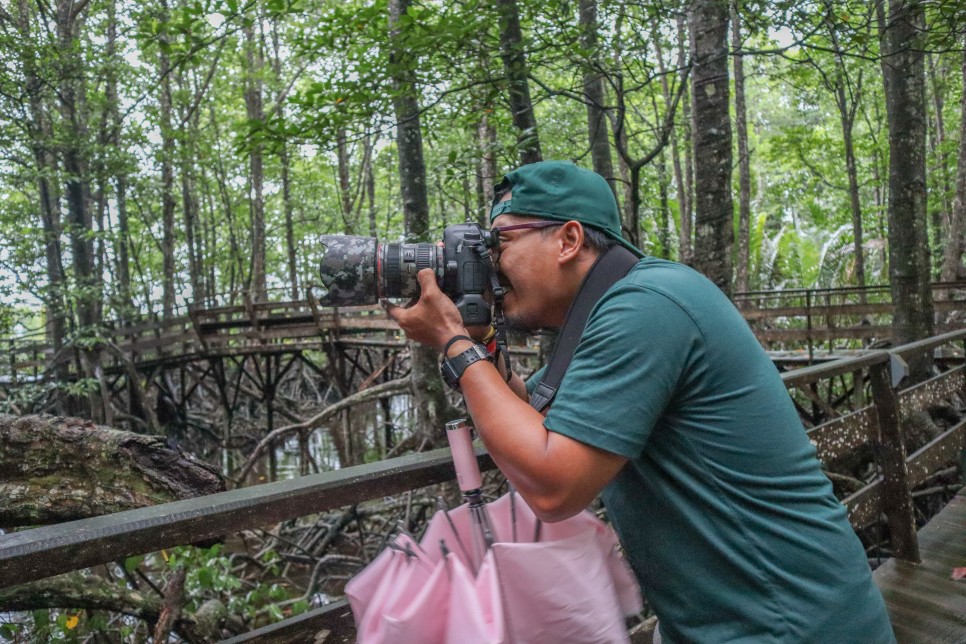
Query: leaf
{"x": 206, "y": 578}
{"x": 131, "y": 563}
{"x": 275, "y": 612}
{"x": 72, "y": 622}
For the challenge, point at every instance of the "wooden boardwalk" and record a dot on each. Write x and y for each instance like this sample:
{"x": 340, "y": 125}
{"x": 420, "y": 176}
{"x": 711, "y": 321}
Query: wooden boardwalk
{"x": 925, "y": 604}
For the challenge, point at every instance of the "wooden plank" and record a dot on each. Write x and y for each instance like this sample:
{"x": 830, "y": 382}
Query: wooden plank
{"x": 51, "y": 550}
{"x": 924, "y": 603}
{"x": 856, "y": 309}
{"x": 821, "y": 334}
{"x": 808, "y": 375}
{"x": 330, "y": 624}
{"x": 840, "y": 436}
{"x": 941, "y": 452}
{"x": 865, "y": 505}
{"x": 915, "y": 348}
{"x": 334, "y": 624}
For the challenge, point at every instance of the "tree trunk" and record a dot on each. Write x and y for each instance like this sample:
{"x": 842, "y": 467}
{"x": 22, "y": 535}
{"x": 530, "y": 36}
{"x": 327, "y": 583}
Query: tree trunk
{"x": 345, "y": 186}
{"x": 253, "y": 107}
{"x": 188, "y": 135}
{"x": 953, "y": 248}
{"x": 518, "y": 87}
{"x": 618, "y": 126}
{"x": 284, "y": 162}
{"x": 714, "y": 214}
{"x": 486, "y": 137}
{"x": 371, "y": 186}
{"x": 905, "y": 91}
{"x": 663, "y": 219}
{"x": 167, "y": 173}
{"x": 744, "y": 165}
{"x": 83, "y": 591}
{"x": 937, "y": 144}
{"x": 685, "y": 239}
{"x": 75, "y": 150}
{"x": 41, "y": 138}
{"x": 684, "y": 207}
{"x": 848, "y": 104}
{"x": 121, "y": 240}
{"x": 60, "y": 469}
{"x": 73, "y": 111}
{"x": 600, "y": 152}
{"x": 851, "y": 169}
{"x": 431, "y": 405}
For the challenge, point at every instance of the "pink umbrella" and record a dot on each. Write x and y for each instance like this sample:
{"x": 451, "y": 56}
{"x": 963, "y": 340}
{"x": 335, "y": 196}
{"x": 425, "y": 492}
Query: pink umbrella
{"x": 495, "y": 574}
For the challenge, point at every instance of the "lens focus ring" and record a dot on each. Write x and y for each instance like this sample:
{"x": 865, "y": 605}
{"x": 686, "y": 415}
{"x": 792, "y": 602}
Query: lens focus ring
{"x": 424, "y": 256}
{"x": 392, "y": 270}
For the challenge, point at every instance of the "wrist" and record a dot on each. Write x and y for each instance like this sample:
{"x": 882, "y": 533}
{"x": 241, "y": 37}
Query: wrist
{"x": 457, "y": 339}
{"x": 461, "y": 353}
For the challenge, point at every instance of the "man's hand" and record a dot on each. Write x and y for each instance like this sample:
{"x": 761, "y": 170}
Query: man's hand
{"x": 433, "y": 319}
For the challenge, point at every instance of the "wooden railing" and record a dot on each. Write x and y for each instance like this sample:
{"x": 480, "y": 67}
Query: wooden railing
{"x": 793, "y": 318}
{"x": 248, "y": 328}
{"x": 862, "y": 420}
{"x": 809, "y": 318}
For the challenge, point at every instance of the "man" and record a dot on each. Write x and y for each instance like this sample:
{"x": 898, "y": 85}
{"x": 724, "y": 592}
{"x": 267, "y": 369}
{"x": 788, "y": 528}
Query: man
{"x": 671, "y": 409}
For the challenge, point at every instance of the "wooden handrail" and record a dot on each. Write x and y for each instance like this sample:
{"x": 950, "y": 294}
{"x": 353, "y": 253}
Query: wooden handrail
{"x": 51, "y": 550}
{"x": 46, "y": 551}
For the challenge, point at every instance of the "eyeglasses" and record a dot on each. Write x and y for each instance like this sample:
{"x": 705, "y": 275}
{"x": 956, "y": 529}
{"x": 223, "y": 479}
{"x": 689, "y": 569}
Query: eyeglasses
{"x": 499, "y": 230}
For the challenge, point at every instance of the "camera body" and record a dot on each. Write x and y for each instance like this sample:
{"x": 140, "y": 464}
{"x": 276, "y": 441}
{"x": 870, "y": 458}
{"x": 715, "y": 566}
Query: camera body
{"x": 359, "y": 270}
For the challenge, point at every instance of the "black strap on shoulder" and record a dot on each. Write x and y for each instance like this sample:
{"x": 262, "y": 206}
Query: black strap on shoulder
{"x": 609, "y": 267}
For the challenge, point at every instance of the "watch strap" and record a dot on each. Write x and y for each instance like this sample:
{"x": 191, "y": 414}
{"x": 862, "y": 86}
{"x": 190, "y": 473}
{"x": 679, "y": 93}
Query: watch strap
{"x": 452, "y": 369}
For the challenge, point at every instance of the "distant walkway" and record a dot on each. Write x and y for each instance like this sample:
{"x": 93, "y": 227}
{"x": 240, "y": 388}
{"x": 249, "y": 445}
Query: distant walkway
{"x": 925, "y": 604}
{"x": 811, "y": 325}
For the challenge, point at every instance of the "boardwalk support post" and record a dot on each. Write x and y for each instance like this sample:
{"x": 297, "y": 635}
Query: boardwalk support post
{"x": 890, "y": 454}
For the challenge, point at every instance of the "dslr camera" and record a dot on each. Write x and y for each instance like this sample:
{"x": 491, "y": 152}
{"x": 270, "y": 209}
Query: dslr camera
{"x": 358, "y": 270}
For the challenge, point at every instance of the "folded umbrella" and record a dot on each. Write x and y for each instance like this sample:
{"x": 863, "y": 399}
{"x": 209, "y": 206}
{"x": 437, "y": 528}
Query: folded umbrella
{"x": 523, "y": 580}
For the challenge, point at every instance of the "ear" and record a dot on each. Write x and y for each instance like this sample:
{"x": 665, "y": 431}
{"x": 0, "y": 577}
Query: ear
{"x": 571, "y": 239}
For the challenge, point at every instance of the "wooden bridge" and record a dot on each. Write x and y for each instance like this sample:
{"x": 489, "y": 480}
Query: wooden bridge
{"x": 851, "y": 404}
{"x": 814, "y": 321}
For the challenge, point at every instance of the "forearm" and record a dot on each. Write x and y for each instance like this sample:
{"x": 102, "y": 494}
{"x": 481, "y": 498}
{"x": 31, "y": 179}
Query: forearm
{"x": 516, "y": 383}
{"x": 531, "y": 457}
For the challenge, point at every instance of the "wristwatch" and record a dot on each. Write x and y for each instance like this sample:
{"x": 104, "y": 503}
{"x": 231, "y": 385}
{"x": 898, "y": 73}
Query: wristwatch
{"x": 452, "y": 368}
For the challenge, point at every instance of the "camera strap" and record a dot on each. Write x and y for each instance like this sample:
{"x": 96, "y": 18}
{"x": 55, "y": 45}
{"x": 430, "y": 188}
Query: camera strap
{"x": 610, "y": 267}
{"x": 499, "y": 320}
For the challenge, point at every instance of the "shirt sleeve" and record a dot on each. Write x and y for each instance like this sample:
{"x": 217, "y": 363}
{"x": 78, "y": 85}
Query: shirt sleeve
{"x": 535, "y": 379}
{"x": 632, "y": 360}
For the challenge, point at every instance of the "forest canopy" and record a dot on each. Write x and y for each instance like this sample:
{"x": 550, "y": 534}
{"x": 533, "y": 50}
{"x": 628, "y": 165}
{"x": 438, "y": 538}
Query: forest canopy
{"x": 172, "y": 153}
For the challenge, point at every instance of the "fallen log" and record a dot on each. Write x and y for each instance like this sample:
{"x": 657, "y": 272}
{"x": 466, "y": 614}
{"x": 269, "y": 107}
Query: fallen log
{"x": 55, "y": 469}
{"x": 82, "y": 591}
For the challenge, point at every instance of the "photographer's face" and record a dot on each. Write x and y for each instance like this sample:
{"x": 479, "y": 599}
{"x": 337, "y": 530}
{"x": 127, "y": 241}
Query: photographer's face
{"x": 525, "y": 267}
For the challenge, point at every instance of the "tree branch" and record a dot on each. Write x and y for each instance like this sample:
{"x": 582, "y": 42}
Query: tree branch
{"x": 397, "y": 386}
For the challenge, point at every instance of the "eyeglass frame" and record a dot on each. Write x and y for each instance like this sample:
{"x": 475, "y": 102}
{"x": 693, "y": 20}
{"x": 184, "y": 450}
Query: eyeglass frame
{"x": 529, "y": 225}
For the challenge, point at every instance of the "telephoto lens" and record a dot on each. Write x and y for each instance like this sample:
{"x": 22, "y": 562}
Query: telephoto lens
{"x": 357, "y": 270}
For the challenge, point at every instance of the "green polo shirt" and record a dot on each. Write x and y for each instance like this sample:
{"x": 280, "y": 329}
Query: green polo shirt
{"x": 723, "y": 510}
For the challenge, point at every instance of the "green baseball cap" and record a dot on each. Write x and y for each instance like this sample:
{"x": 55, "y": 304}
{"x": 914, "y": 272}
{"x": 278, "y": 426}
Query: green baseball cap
{"x": 561, "y": 191}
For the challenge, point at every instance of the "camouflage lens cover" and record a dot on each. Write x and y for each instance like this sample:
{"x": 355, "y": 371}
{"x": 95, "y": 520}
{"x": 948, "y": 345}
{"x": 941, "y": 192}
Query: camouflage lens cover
{"x": 348, "y": 270}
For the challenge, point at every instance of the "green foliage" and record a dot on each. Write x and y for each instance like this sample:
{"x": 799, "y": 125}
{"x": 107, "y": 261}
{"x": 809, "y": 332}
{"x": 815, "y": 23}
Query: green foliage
{"x": 325, "y": 82}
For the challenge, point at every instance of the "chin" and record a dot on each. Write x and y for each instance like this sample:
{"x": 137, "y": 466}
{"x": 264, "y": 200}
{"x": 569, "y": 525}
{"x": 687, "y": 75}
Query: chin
{"x": 523, "y": 322}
